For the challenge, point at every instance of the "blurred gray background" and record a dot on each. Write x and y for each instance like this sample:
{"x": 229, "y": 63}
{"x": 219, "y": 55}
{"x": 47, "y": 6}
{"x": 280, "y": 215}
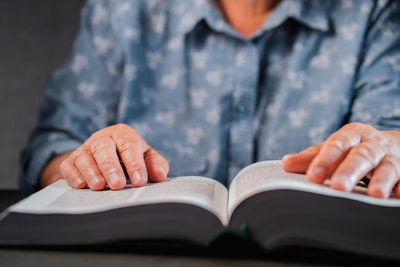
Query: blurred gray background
{"x": 35, "y": 39}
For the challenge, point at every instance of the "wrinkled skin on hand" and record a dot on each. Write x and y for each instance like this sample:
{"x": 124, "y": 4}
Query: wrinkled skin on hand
{"x": 355, "y": 151}
{"x": 99, "y": 160}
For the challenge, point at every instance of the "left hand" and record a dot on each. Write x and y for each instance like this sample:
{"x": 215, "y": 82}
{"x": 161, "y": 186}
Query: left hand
{"x": 351, "y": 153}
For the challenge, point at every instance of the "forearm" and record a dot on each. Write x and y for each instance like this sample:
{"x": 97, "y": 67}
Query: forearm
{"x": 51, "y": 171}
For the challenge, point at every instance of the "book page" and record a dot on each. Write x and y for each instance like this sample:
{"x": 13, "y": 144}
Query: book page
{"x": 269, "y": 175}
{"x": 61, "y": 198}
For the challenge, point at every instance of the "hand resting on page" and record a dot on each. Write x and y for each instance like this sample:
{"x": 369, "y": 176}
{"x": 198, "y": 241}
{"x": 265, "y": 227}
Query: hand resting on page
{"x": 355, "y": 151}
{"x": 96, "y": 162}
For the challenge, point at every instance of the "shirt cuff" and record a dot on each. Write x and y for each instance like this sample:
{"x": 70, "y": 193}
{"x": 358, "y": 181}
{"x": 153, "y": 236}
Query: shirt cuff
{"x": 33, "y": 162}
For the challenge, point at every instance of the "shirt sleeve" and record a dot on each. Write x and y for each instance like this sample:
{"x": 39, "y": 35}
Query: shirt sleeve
{"x": 80, "y": 98}
{"x": 377, "y": 97}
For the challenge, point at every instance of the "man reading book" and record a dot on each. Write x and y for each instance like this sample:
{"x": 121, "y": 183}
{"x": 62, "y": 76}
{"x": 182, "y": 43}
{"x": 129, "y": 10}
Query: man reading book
{"x": 207, "y": 87}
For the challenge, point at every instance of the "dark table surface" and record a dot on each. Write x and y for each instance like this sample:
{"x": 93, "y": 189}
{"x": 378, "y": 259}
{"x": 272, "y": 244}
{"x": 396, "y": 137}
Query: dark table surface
{"x": 110, "y": 256}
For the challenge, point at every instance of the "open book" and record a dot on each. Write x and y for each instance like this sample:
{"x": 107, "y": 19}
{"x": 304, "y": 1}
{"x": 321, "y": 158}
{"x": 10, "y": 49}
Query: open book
{"x": 274, "y": 207}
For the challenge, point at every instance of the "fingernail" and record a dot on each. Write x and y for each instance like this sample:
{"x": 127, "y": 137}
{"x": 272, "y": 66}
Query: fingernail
{"x": 94, "y": 181}
{"x": 348, "y": 185}
{"x": 342, "y": 182}
{"x": 114, "y": 179}
{"x": 164, "y": 172}
{"x": 289, "y": 155}
{"x": 76, "y": 182}
{"x": 318, "y": 174}
{"x": 379, "y": 191}
{"x": 137, "y": 178}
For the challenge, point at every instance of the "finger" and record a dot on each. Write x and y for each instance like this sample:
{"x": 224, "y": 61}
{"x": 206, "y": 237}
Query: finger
{"x": 131, "y": 152}
{"x": 385, "y": 176}
{"x": 105, "y": 154}
{"x": 333, "y": 151}
{"x": 358, "y": 163}
{"x": 87, "y": 166}
{"x": 398, "y": 189}
{"x": 157, "y": 166}
{"x": 300, "y": 162}
{"x": 71, "y": 174}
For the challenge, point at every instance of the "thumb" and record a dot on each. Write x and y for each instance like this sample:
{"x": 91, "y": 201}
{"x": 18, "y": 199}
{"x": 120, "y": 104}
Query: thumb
{"x": 299, "y": 162}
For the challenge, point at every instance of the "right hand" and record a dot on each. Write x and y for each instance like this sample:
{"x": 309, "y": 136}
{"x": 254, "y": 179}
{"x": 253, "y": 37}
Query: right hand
{"x": 97, "y": 161}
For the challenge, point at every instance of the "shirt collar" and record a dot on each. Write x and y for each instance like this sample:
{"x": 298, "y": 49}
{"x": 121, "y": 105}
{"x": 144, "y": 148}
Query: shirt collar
{"x": 312, "y": 13}
{"x": 185, "y": 15}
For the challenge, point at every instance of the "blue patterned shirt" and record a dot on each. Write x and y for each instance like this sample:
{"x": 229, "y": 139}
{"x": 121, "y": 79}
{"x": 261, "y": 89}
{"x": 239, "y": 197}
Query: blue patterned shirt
{"x": 208, "y": 99}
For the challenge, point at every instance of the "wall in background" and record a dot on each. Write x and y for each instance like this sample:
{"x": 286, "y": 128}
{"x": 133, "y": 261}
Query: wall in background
{"x": 35, "y": 39}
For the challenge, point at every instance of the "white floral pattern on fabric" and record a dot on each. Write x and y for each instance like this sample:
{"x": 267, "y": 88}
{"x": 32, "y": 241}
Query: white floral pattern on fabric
{"x": 212, "y": 101}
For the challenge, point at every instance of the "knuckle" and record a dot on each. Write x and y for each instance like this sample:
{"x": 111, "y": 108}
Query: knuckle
{"x": 313, "y": 149}
{"x": 337, "y": 144}
{"x": 132, "y": 165}
{"x": 76, "y": 153}
{"x": 394, "y": 163}
{"x": 380, "y": 139}
{"x": 81, "y": 161}
{"x": 345, "y": 139}
{"x": 368, "y": 128}
{"x": 125, "y": 130}
{"x": 310, "y": 150}
{"x": 342, "y": 140}
{"x": 128, "y": 144}
{"x": 82, "y": 150}
{"x": 97, "y": 134}
{"x": 121, "y": 127}
{"x": 108, "y": 165}
{"x": 355, "y": 125}
{"x": 358, "y": 128}
{"x": 151, "y": 153}
{"x": 99, "y": 144}
{"x": 366, "y": 152}
{"x": 391, "y": 160}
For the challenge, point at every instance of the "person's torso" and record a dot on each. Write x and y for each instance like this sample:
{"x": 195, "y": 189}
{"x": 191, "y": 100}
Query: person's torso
{"x": 212, "y": 102}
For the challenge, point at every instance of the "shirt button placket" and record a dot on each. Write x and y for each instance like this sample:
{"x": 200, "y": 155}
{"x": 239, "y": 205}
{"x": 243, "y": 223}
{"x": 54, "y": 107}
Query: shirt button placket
{"x": 243, "y": 106}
